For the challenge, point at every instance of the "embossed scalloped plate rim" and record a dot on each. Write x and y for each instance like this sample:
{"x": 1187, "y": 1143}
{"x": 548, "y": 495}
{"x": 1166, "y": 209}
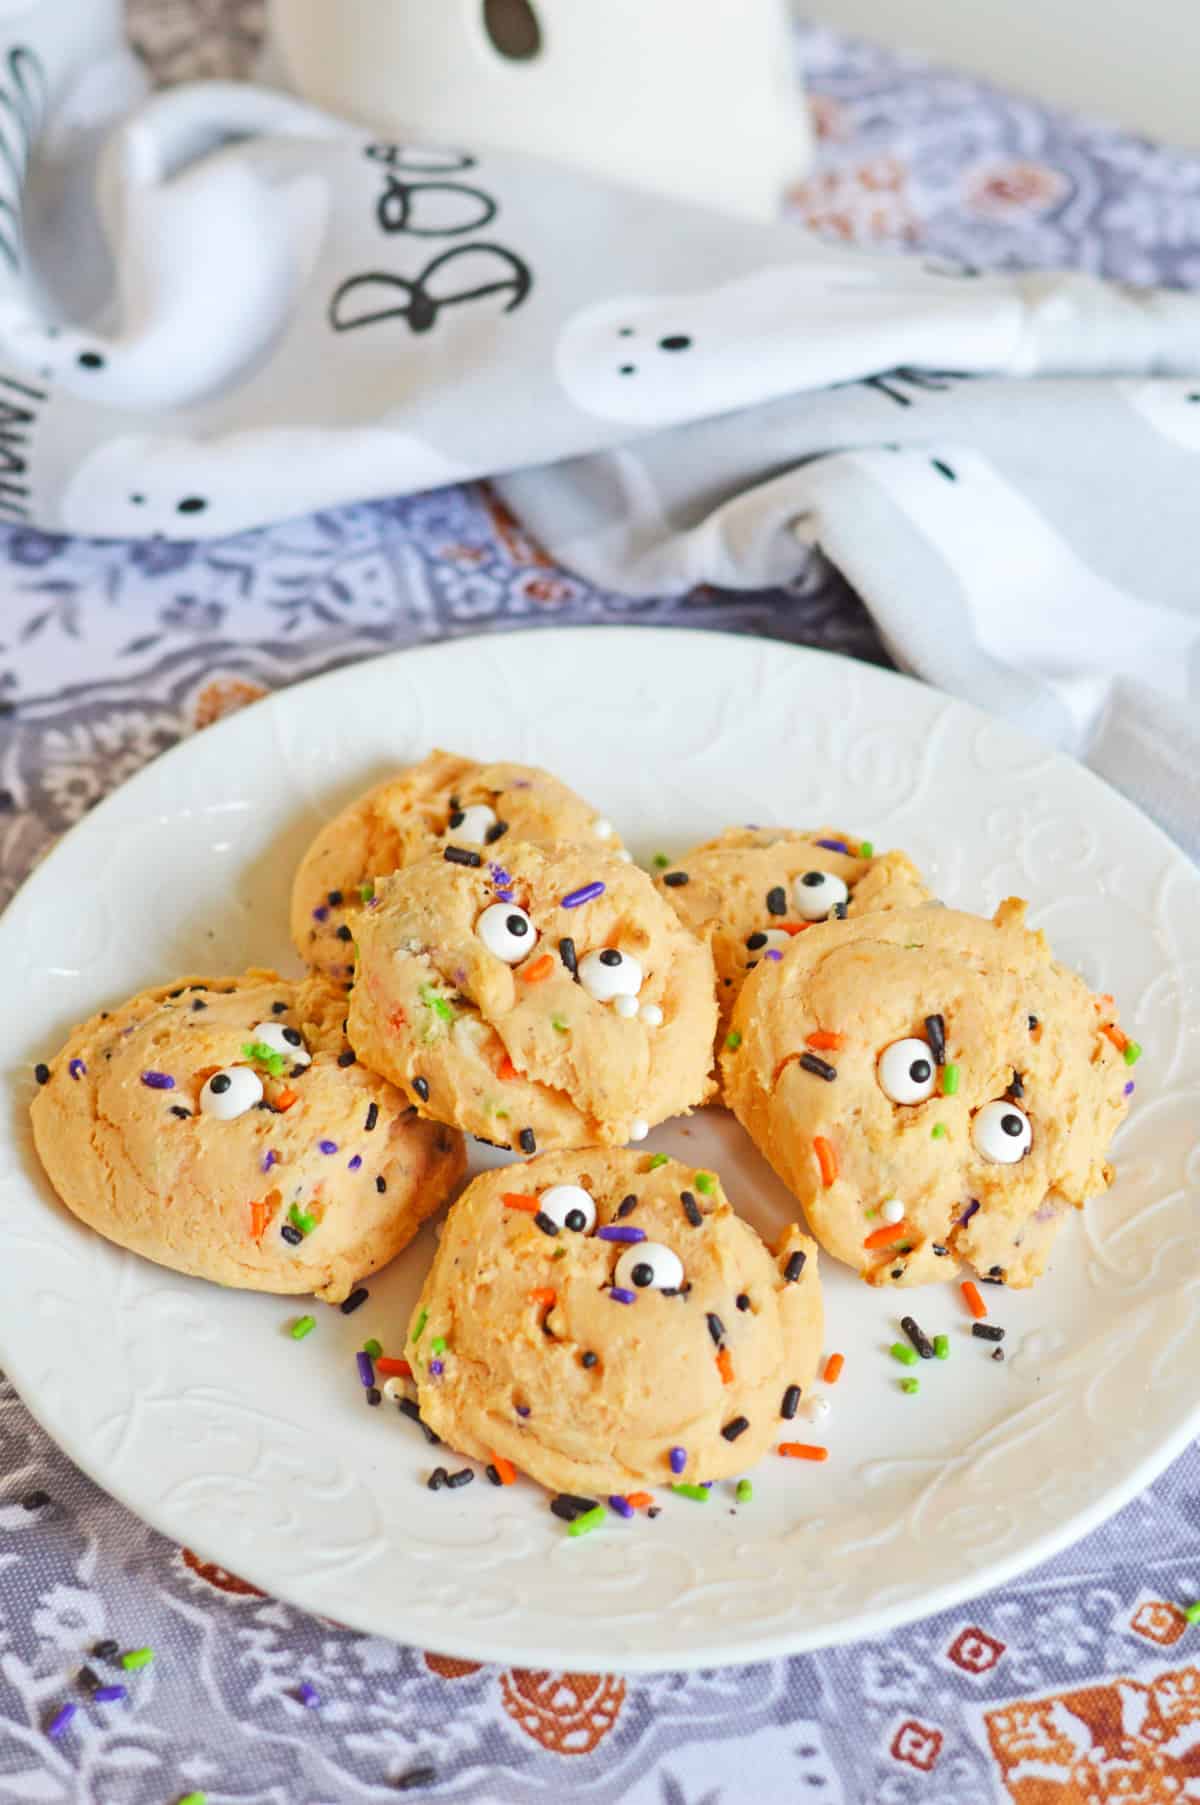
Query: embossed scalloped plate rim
{"x": 194, "y": 1418}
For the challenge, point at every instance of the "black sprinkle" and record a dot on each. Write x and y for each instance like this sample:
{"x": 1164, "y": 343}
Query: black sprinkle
{"x": 626, "y": 1206}
{"x": 917, "y": 1336}
{"x": 372, "y": 1116}
{"x": 527, "y": 1141}
{"x": 995, "y": 1272}
{"x": 425, "y": 1776}
{"x": 199, "y": 1003}
{"x": 458, "y": 855}
{"x": 777, "y": 900}
{"x": 998, "y": 1353}
{"x": 278, "y": 1008}
{"x": 988, "y": 1279}
{"x": 566, "y": 952}
{"x": 437, "y": 1479}
{"x": 89, "y": 1677}
{"x": 795, "y": 1266}
{"x": 716, "y": 1327}
{"x": 381, "y": 1184}
{"x": 297, "y": 1071}
{"x": 547, "y": 1224}
{"x": 104, "y": 1651}
{"x": 790, "y": 1403}
{"x": 935, "y": 1034}
{"x": 655, "y": 1510}
{"x": 42, "y": 1073}
{"x": 1033, "y": 1022}
{"x": 839, "y": 911}
{"x": 493, "y": 1475}
{"x": 675, "y": 879}
{"x": 172, "y": 994}
{"x": 987, "y": 1331}
{"x": 568, "y": 1506}
{"x": 1017, "y": 1087}
{"x": 456, "y": 818}
{"x": 335, "y": 899}
{"x": 345, "y": 933}
{"x": 743, "y": 1302}
{"x": 455, "y": 805}
{"x": 691, "y": 1209}
{"x": 756, "y": 942}
{"x": 464, "y": 1476}
{"x": 495, "y": 832}
{"x": 35, "y": 1500}
{"x": 347, "y": 1058}
{"x": 374, "y": 1395}
{"x": 588, "y": 1359}
{"x": 357, "y": 1297}
{"x": 177, "y": 1109}
{"x": 7, "y": 800}
{"x": 421, "y": 1086}
{"x": 291, "y": 1235}
{"x": 897, "y": 1272}
{"x": 820, "y": 1068}
{"x": 939, "y": 1249}
{"x": 738, "y": 1426}
{"x": 408, "y": 1408}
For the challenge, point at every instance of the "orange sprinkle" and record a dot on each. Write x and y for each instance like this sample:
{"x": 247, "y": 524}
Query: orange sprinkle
{"x": 260, "y": 1215}
{"x": 974, "y": 1302}
{"x": 521, "y": 1200}
{"x": 393, "y": 1369}
{"x": 826, "y": 1159}
{"x": 824, "y": 1040}
{"x": 802, "y": 1450}
{"x": 1112, "y": 1032}
{"x": 505, "y": 1468}
{"x": 640, "y": 1500}
{"x": 506, "y": 1069}
{"x": 791, "y": 927}
{"x": 725, "y": 1366}
{"x": 541, "y": 968}
{"x": 397, "y": 1019}
{"x": 888, "y": 1235}
{"x": 833, "y": 1368}
{"x": 544, "y": 1295}
{"x": 285, "y": 1099}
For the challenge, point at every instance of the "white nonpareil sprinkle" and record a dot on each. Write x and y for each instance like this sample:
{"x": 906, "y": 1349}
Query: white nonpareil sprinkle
{"x": 892, "y": 1210}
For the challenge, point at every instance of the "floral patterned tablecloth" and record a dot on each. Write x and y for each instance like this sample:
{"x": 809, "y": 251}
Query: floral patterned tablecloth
{"x": 1079, "y": 1684}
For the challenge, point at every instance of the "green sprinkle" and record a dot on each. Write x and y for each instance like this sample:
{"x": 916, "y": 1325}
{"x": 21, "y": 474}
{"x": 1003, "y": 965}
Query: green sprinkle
{"x": 302, "y": 1220}
{"x": 502, "y": 1113}
{"x": 745, "y": 1491}
{"x": 437, "y": 1345}
{"x": 939, "y": 1131}
{"x": 907, "y": 1356}
{"x": 558, "y": 1024}
{"x": 733, "y": 1040}
{"x": 1133, "y": 1052}
{"x": 705, "y": 1182}
{"x": 303, "y": 1325}
{"x": 698, "y": 1492}
{"x": 194, "y": 1798}
{"x": 1192, "y": 1613}
{"x": 941, "y": 1346}
{"x": 911, "y": 1386}
{"x": 591, "y": 1519}
{"x": 137, "y": 1658}
{"x": 367, "y": 892}
{"x": 949, "y": 1080}
{"x": 871, "y": 1214}
{"x": 262, "y": 1054}
{"x": 373, "y": 1348}
{"x": 422, "y": 1319}
{"x": 656, "y": 1160}
{"x": 560, "y": 1253}
{"x": 661, "y": 861}
{"x": 439, "y": 1005}
{"x": 867, "y": 850}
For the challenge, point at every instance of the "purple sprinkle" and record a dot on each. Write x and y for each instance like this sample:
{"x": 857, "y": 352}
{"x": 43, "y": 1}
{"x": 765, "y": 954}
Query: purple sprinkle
{"x": 308, "y": 1695}
{"x": 321, "y": 914}
{"x": 1130, "y": 1088}
{"x": 355, "y": 1163}
{"x": 773, "y": 953}
{"x": 834, "y": 845}
{"x": 498, "y": 874}
{"x": 60, "y": 1720}
{"x": 366, "y": 1368}
{"x": 505, "y": 895}
{"x": 619, "y": 1232}
{"x": 108, "y": 1695}
{"x": 589, "y": 893}
{"x": 327, "y": 1146}
{"x": 436, "y": 1369}
{"x": 522, "y": 1409}
{"x": 619, "y": 1295}
{"x": 968, "y": 1212}
{"x": 706, "y": 1485}
{"x": 268, "y": 1159}
{"x": 622, "y": 1506}
{"x": 678, "y": 1459}
{"x": 77, "y": 1068}
{"x": 158, "y": 1081}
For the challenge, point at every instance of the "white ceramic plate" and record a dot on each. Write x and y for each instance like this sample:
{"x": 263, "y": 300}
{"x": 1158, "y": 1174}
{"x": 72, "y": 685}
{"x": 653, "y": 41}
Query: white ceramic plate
{"x": 194, "y": 1407}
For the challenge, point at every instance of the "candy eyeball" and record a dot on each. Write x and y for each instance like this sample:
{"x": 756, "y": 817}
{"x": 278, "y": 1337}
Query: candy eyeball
{"x": 230, "y": 1092}
{"x": 1001, "y": 1133}
{"x": 649, "y": 1266}
{"x": 569, "y": 1206}
{"x": 816, "y": 894}
{"x": 608, "y": 974}
{"x": 472, "y": 825}
{"x": 281, "y": 1039}
{"x": 507, "y": 931}
{"x": 768, "y": 940}
{"x": 906, "y": 1071}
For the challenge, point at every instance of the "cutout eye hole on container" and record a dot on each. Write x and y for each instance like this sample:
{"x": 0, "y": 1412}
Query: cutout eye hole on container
{"x": 513, "y": 29}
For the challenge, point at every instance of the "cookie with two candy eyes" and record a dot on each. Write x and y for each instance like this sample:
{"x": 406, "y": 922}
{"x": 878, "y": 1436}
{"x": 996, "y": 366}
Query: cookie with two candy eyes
{"x": 604, "y": 1323}
{"x": 222, "y": 1127}
{"x": 553, "y": 1000}
{"x": 934, "y": 1087}
{"x": 443, "y": 801}
{"x": 751, "y": 890}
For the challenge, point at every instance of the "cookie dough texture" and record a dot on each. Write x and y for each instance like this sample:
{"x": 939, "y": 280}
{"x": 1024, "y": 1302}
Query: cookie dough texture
{"x": 730, "y": 878}
{"x": 408, "y": 817}
{"x": 509, "y": 1052}
{"x": 518, "y": 1322}
{"x": 1019, "y": 1028}
{"x": 181, "y": 1189}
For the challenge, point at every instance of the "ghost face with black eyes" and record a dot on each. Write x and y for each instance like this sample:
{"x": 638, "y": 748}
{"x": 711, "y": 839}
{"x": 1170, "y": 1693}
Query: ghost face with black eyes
{"x": 536, "y": 996}
{"x": 936, "y": 1090}
{"x": 607, "y": 1325}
